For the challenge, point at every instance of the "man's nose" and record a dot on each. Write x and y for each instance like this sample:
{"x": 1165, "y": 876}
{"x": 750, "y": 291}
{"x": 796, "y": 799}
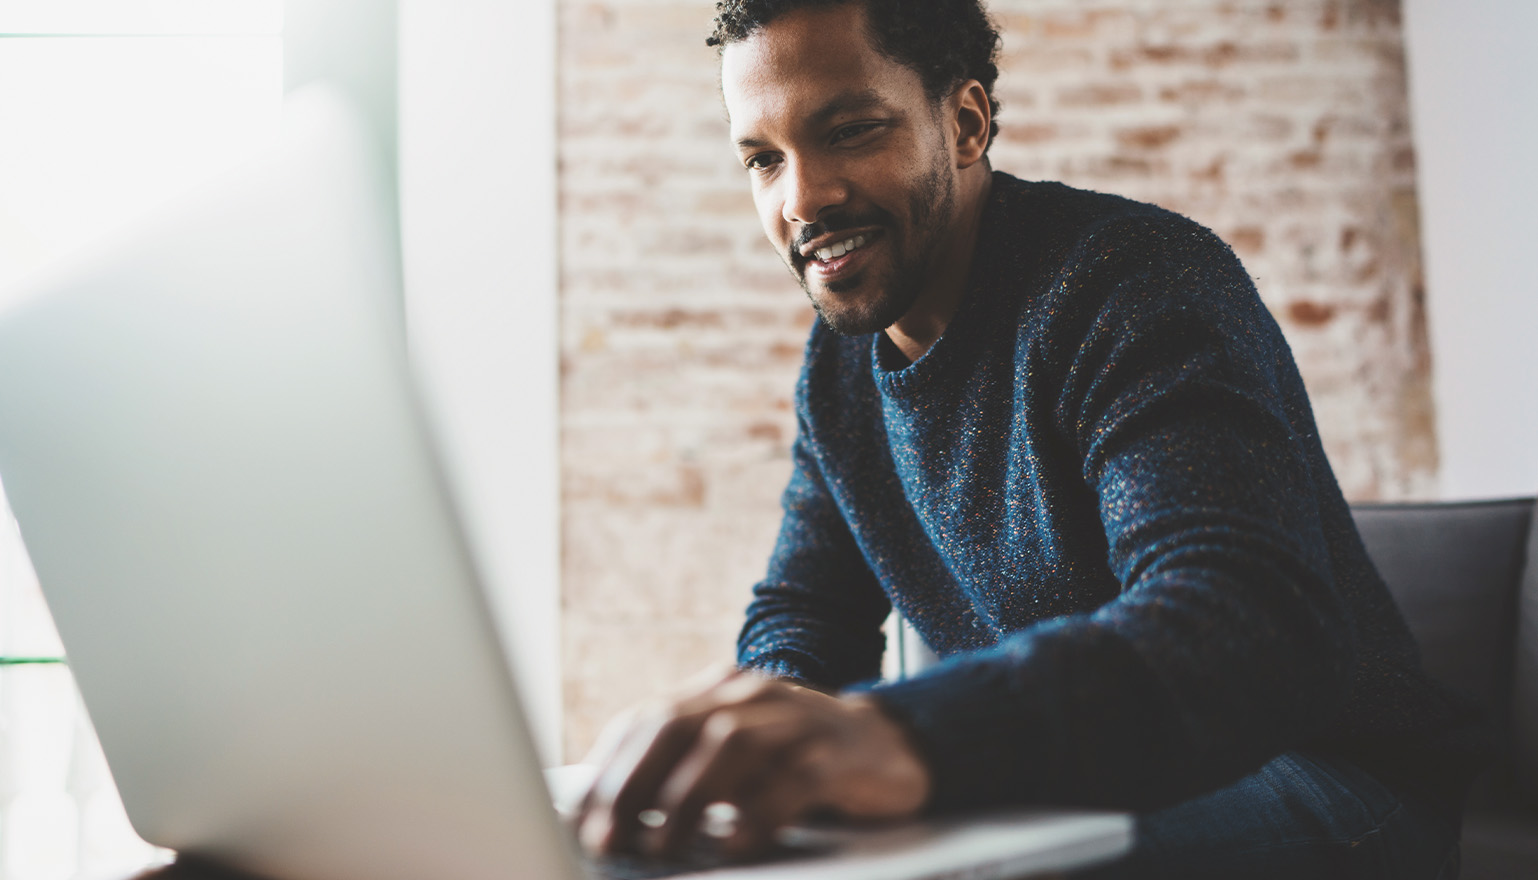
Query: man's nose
{"x": 811, "y": 187}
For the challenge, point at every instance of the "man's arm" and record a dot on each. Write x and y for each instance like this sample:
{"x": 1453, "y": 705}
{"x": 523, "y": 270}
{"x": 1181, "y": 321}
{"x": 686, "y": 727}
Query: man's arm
{"x": 755, "y": 737}
{"x": 816, "y": 617}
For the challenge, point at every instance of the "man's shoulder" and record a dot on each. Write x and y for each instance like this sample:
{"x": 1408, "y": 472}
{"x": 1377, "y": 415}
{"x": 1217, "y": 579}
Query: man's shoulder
{"x": 1067, "y": 215}
{"x": 1076, "y": 262}
{"x": 1050, "y": 234}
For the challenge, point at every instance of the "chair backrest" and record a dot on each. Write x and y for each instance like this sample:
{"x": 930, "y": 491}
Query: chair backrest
{"x": 1454, "y": 568}
{"x": 1457, "y": 570}
{"x": 1460, "y": 574}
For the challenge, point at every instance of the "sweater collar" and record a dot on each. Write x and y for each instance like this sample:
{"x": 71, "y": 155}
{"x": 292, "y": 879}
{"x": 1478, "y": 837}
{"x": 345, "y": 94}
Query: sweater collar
{"x": 894, "y": 374}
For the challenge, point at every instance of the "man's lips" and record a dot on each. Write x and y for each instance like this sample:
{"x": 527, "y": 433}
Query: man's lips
{"x": 838, "y": 253}
{"x": 837, "y": 240}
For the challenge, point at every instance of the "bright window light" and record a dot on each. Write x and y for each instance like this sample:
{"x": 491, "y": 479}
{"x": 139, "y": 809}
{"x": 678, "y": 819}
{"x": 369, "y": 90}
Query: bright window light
{"x": 107, "y": 107}
{"x": 99, "y": 130}
{"x": 141, "y": 17}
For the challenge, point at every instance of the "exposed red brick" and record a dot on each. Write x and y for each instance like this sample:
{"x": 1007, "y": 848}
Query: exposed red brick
{"x": 1215, "y": 171}
{"x": 1099, "y": 95}
{"x": 769, "y": 431}
{"x": 1304, "y": 160}
{"x": 1216, "y": 55}
{"x": 670, "y": 319}
{"x": 1138, "y": 165}
{"x": 1080, "y": 25}
{"x": 641, "y": 485}
{"x": 1321, "y": 132}
{"x": 1268, "y": 126}
{"x": 1310, "y": 314}
{"x": 1148, "y": 137}
{"x": 1204, "y": 92}
{"x": 1330, "y": 20}
{"x": 788, "y": 351}
{"x": 1366, "y": 272}
{"x": 1159, "y": 54}
{"x": 1031, "y": 134}
{"x": 1247, "y": 239}
{"x": 689, "y": 243}
{"x": 1221, "y": 54}
{"x": 729, "y": 202}
{"x": 1049, "y": 57}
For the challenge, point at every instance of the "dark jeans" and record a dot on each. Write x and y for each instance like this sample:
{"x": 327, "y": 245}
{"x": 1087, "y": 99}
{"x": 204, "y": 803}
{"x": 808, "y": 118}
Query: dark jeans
{"x": 1300, "y": 817}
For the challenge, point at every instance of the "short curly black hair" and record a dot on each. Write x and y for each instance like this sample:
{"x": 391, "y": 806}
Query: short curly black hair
{"x": 946, "y": 42}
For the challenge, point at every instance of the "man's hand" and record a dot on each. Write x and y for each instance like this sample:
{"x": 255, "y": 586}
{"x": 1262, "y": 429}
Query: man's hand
{"x": 773, "y": 750}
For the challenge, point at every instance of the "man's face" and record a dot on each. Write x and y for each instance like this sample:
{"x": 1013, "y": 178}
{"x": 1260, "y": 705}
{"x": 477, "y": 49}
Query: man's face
{"x": 853, "y": 172}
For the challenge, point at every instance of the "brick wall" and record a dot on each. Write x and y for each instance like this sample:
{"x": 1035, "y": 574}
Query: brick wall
{"x": 1280, "y": 125}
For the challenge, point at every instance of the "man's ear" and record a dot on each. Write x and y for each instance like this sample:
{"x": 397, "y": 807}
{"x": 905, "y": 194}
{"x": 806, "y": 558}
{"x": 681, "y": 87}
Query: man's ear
{"x": 974, "y": 120}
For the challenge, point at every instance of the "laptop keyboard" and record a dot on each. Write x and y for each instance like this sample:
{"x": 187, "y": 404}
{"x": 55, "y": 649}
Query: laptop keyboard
{"x": 705, "y": 856}
{"x": 637, "y": 868}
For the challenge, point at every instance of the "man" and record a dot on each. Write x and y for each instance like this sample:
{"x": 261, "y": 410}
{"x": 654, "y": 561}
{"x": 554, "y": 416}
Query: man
{"x": 1060, "y": 433}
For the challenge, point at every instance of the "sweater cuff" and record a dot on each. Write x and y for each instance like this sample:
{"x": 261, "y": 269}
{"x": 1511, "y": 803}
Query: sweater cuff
{"x": 778, "y": 665}
{"x": 982, "y": 750}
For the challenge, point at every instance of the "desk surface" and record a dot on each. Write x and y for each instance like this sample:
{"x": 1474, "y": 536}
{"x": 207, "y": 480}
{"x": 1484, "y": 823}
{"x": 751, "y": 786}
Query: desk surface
{"x": 1041, "y": 844}
{"x": 199, "y": 871}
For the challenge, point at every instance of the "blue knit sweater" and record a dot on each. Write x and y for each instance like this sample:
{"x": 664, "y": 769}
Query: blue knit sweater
{"x": 1102, "y": 497}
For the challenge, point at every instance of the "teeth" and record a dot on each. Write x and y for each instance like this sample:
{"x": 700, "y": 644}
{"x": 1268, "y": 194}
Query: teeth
{"x": 838, "y": 250}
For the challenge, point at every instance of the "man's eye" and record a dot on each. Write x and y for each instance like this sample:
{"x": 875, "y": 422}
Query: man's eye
{"x": 760, "y": 161}
{"x": 844, "y": 133}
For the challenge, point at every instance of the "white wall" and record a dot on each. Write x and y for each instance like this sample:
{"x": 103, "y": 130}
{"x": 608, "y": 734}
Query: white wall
{"x": 478, "y": 225}
{"x": 1474, "y": 104}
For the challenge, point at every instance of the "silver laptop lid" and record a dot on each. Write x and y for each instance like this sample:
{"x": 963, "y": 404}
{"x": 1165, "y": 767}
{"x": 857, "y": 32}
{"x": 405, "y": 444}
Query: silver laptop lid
{"x": 209, "y": 438}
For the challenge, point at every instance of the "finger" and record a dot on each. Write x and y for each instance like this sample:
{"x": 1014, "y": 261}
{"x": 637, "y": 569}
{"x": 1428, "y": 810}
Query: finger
{"x": 735, "y": 746}
{"x": 604, "y": 808}
{"x": 706, "y": 679}
{"x": 629, "y": 784}
{"x": 604, "y": 751}
{"x": 651, "y": 747}
{"x": 779, "y": 800}
{"x": 614, "y": 734}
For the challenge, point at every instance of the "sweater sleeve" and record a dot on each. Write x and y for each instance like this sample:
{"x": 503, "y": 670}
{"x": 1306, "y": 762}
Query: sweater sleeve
{"x": 817, "y": 615}
{"x": 1229, "y": 642}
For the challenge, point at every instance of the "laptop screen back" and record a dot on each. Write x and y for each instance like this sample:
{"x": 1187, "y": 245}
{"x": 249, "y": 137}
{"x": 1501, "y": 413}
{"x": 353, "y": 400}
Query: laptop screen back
{"x": 209, "y": 436}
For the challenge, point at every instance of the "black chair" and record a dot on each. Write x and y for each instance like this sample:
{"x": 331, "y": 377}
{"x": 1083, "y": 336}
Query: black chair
{"x": 1465, "y": 574}
{"x": 1461, "y": 574}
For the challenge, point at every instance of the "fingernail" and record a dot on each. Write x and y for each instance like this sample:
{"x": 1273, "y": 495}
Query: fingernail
{"x": 595, "y": 832}
{"x": 653, "y": 818}
{"x": 720, "y": 820}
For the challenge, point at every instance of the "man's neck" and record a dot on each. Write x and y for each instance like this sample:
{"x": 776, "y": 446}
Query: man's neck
{"x": 917, "y": 330}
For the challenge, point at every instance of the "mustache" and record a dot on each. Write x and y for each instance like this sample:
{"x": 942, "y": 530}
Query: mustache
{"x": 835, "y": 222}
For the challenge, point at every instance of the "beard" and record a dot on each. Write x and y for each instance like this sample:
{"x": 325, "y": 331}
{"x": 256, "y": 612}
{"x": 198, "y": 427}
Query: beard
{"x": 898, "y": 284}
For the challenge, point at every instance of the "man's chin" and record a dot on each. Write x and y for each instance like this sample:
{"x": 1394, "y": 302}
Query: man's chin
{"x": 850, "y": 320}
{"x": 853, "y": 308}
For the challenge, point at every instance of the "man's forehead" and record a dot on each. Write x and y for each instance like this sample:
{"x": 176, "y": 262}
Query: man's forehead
{"x": 807, "y": 65}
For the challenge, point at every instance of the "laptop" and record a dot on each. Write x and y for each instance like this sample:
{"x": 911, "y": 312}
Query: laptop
{"x": 227, "y": 483}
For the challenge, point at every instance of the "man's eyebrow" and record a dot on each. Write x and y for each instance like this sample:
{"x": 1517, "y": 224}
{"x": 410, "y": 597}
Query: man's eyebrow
{"x": 844, "y": 102}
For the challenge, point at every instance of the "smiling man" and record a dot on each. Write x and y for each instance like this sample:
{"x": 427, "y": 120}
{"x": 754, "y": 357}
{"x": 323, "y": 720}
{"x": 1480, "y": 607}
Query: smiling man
{"x": 1060, "y": 433}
